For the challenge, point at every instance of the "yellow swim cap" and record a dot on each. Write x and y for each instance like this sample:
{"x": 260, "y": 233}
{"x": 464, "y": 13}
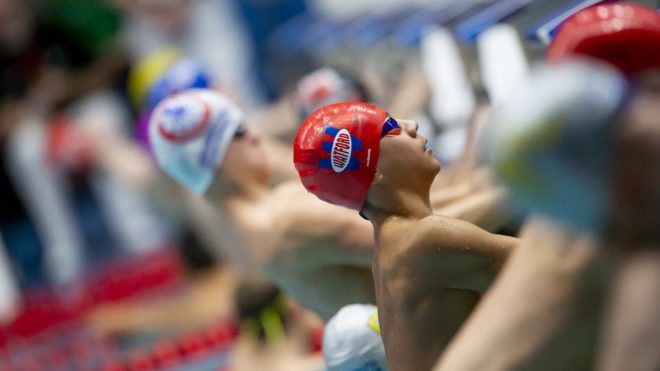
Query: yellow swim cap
{"x": 147, "y": 71}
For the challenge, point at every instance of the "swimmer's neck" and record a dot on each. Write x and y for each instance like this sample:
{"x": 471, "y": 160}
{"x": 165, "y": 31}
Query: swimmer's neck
{"x": 404, "y": 204}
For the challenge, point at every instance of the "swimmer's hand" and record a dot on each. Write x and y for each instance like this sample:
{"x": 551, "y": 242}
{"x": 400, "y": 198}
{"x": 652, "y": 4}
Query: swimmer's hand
{"x": 109, "y": 321}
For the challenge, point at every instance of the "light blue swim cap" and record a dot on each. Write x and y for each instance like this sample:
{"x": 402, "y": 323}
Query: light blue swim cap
{"x": 551, "y": 144}
{"x": 189, "y": 134}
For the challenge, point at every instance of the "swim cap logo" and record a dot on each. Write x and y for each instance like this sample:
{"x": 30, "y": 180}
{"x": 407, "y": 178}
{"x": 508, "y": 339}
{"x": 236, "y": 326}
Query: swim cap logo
{"x": 373, "y": 324}
{"x": 341, "y": 151}
{"x": 184, "y": 119}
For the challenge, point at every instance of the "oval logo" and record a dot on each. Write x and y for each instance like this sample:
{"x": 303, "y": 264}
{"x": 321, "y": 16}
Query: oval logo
{"x": 341, "y": 151}
{"x": 183, "y": 118}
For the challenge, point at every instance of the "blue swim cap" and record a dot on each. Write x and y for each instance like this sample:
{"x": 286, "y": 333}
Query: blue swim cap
{"x": 184, "y": 74}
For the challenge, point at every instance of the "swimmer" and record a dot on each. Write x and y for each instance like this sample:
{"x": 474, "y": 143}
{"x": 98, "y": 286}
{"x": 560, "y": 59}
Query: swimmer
{"x": 555, "y": 283}
{"x": 319, "y": 254}
{"x": 597, "y": 229}
{"x": 153, "y": 78}
{"x": 549, "y": 289}
{"x": 429, "y": 270}
{"x": 631, "y": 326}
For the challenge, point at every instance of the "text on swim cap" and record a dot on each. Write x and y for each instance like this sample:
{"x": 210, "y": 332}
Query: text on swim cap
{"x": 341, "y": 151}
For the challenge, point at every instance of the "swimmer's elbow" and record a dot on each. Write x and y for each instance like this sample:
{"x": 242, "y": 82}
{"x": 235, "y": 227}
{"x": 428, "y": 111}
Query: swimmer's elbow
{"x": 506, "y": 244}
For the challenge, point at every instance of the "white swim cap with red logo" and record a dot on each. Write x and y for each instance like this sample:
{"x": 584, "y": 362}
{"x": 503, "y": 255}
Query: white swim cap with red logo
{"x": 190, "y": 132}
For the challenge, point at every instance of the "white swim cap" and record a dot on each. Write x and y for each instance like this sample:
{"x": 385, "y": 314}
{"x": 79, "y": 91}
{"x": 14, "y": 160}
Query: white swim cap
{"x": 352, "y": 341}
{"x": 190, "y": 132}
{"x": 552, "y": 142}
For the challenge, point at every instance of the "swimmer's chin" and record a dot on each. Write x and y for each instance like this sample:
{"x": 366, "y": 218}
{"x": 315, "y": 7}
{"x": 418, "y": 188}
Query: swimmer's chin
{"x": 436, "y": 162}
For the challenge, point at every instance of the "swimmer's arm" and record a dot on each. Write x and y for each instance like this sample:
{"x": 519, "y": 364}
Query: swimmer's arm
{"x": 279, "y": 158}
{"x": 278, "y": 120}
{"x": 631, "y": 322}
{"x": 444, "y": 195}
{"x": 462, "y": 255}
{"x": 413, "y": 93}
{"x": 317, "y": 219}
{"x": 485, "y": 208}
{"x": 357, "y": 235}
{"x": 466, "y": 166}
{"x": 207, "y": 299}
{"x": 539, "y": 307}
{"x": 158, "y": 317}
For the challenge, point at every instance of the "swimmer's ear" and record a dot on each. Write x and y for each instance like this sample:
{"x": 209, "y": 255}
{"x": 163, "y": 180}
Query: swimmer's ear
{"x": 378, "y": 177}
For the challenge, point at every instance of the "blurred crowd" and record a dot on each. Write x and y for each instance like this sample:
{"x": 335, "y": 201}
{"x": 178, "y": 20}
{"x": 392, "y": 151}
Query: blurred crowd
{"x": 81, "y": 192}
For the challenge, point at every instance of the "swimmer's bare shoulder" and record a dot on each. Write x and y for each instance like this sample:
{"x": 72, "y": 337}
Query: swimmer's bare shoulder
{"x": 461, "y": 254}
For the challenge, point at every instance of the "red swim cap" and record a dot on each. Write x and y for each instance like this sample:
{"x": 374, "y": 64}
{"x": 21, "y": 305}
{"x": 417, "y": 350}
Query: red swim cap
{"x": 336, "y": 152}
{"x": 624, "y": 35}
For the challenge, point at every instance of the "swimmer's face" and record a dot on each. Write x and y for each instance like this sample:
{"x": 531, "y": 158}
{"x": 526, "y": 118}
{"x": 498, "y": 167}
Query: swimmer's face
{"x": 404, "y": 154}
{"x": 245, "y": 158}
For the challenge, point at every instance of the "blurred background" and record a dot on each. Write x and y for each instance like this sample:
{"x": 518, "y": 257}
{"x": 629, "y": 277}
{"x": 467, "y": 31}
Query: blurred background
{"x": 99, "y": 269}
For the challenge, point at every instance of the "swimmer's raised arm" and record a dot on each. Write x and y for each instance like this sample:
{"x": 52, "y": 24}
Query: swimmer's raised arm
{"x": 461, "y": 254}
{"x": 412, "y": 94}
{"x": 484, "y": 208}
{"x": 445, "y": 194}
{"x": 279, "y": 160}
{"x": 313, "y": 218}
{"x": 549, "y": 289}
